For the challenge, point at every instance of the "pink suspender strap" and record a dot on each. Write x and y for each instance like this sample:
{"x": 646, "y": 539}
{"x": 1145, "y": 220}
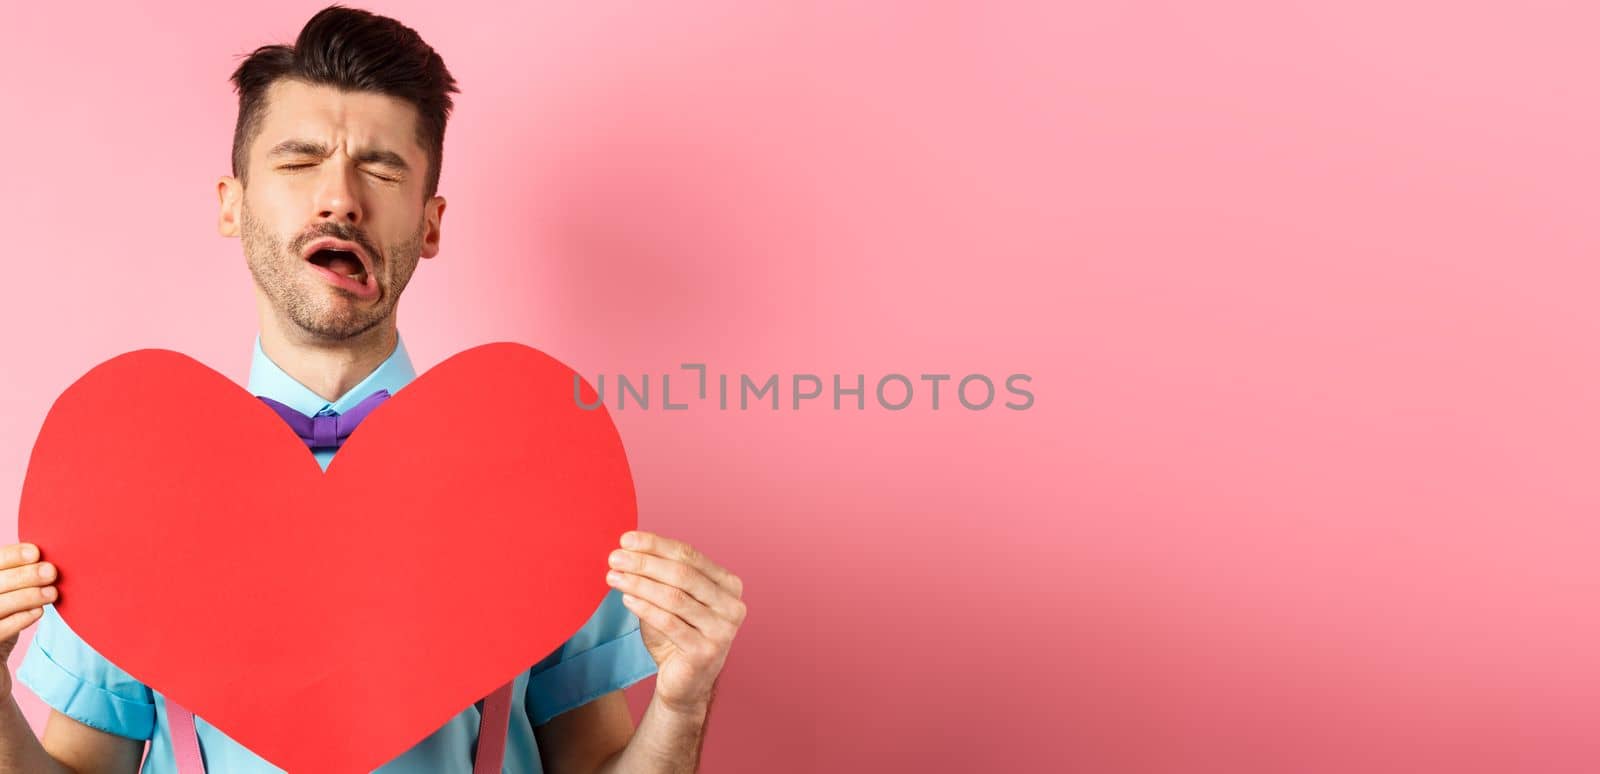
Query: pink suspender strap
{"x": 491, "y": 734}
{"x": 185, "y": 745}
{"x": 492, "y": 730}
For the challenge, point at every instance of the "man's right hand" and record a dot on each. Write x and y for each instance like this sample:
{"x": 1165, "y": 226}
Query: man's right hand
{"x": 26, "y": 586}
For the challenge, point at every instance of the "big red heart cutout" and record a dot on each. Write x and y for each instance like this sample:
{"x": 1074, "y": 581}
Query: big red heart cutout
{"x": 328, "y": 622}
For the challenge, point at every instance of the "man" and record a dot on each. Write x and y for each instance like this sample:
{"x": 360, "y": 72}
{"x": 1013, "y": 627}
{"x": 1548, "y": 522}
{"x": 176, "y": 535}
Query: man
{"x": 337, "y": 152}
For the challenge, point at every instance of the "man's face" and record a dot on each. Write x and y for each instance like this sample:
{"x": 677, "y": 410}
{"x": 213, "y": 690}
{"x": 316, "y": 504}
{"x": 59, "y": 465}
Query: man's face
{"x": 339, "y": 165}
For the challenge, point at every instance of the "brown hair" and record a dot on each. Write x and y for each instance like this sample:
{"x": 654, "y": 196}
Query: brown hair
{"x": 351, "y": 50}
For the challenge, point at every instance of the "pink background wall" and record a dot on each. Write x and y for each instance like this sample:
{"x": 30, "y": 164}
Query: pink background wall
{"x": 1307, "y": 291}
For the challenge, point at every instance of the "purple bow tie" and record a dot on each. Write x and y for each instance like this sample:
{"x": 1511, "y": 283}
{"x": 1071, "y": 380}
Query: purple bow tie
{"x": 327, "y": 432}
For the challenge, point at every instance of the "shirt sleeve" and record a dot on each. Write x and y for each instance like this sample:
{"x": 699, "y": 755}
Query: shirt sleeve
{"x": 67, "y": 674}
{"x": 607, "y": 654}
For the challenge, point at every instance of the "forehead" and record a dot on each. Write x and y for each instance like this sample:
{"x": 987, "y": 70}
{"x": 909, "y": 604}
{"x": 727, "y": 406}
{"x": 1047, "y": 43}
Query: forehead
{"x": 355, "y": 119}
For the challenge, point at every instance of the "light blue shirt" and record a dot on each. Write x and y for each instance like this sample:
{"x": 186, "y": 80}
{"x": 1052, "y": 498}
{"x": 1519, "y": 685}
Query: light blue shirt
{"x": 605, "y": 655}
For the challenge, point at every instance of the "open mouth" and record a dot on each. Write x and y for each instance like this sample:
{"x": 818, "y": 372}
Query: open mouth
{"x": 344, "y": 266}
{"x": 341, "y": 262}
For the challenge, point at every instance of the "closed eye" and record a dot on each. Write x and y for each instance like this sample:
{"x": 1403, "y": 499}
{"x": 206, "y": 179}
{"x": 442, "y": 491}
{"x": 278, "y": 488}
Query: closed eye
{"x": 303, "y": 166}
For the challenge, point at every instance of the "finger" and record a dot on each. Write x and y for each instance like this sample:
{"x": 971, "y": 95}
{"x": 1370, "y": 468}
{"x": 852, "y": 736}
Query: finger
{"x": 37, "y": 574}
{"x": 674, "y": 573}
{"x": 13, "y": 624}
{"x": 671, "y": 599}
{"x": 688, "y": 639}
{"x": 21, "y": 600}
{"x": 651, "y": 543}
{"x": 18, "y": 554}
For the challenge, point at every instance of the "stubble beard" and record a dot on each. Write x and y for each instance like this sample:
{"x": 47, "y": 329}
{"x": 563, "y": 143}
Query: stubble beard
{"x": 323, "y": 311}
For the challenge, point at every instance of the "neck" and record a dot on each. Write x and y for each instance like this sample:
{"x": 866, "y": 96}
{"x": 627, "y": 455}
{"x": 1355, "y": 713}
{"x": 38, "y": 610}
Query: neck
{"x": 328, "y": 368}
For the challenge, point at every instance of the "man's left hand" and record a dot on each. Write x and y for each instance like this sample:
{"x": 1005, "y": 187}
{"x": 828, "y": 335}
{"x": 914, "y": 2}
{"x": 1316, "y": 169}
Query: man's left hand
{"x": 689, "y": 611}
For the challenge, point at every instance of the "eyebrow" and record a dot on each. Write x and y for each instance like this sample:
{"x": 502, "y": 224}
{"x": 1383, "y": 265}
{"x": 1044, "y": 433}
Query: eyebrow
{"x": 313, "y": 148}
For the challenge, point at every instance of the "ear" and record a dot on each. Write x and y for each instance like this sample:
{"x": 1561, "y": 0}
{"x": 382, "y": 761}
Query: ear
{"x": 230, "y": 196}
{"x": 434, "y": 212}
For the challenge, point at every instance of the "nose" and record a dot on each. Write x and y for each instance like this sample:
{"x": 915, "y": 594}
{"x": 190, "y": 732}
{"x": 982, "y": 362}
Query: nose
{"x": 338, "y": 197}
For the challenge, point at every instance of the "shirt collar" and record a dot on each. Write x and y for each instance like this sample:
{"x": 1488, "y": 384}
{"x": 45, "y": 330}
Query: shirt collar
{"x": 268, "y": 379}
